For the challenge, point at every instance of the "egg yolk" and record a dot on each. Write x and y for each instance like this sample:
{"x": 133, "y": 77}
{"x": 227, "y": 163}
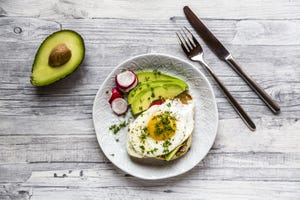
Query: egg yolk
{"x": 162, "y": 126}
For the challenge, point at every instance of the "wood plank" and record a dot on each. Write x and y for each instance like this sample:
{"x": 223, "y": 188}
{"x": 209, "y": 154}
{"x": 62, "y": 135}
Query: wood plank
{"x": 20, "y": 172}
{"x": 158, "y": 32}
{"x": 263, "y": 155}
{"x": 226, "y": 155}
{"x": 235, "y": 32}
{"x": 251, "y": 190}
{"x": 115, "y": 178}
{"x": 74, "y": 96}
{"x": 175, "y": 190}
{"x": 48, "y": 148}
{"x": 85, "y": 147}
{"x": 82, "y": 124}
{"x": 24, "y": 29}
{"x": 233, "y": 9}
{"x": 51, "y": 124}
{"x": 98, "y": 184}
{"x": 15, "y": 192}
{"x": 216, "y": 166}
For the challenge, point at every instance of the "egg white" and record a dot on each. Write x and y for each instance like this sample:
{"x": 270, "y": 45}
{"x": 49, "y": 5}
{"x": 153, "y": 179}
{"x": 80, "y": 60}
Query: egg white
{"x": 184, "y": 114}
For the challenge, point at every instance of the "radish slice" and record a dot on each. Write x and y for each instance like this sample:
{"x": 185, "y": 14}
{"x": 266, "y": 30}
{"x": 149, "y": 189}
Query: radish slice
{"x": 133, "y": 85}
{"x": 119, "y": 106}
{"x": 125, "y": 80}
{"x": 115, "y": 93}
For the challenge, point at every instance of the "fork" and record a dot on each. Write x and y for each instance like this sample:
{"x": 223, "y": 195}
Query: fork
{"x": 194, "y": 52}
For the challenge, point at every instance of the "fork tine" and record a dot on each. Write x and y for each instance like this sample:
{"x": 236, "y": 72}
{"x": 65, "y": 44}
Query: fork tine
{"x": 182, "y": 43}
{"x": 188, "y": 40}
{"x": 194, "y": 39}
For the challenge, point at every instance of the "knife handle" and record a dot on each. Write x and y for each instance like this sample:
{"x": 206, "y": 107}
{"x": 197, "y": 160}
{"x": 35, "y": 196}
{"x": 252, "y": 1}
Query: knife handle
{"x": 274, "y": 107}
{"x": 235, "y": 104}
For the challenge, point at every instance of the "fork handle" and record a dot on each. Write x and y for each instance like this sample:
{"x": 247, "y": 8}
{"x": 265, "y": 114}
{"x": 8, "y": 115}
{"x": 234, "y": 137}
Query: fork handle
{"x": 274, "y": 107}
{"x": 237, "y": 107}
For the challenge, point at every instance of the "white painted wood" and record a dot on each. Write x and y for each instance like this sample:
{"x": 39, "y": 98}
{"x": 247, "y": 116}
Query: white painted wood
{"x": 174, "y": 190}
{"x": 230, "y": 9}
{"x": 216, "y": 166}
{"x": 84, "y": 148}
{"x": 48, "y": 148}
{"x": 209, "y": 190}
{"x": 272, "y": 63}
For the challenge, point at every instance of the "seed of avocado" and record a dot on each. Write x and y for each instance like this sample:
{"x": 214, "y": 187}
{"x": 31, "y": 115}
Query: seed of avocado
{"x": 58, "y": 56}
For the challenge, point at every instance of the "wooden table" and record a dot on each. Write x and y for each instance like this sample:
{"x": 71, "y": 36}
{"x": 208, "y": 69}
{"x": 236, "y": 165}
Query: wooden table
{"x": 48, "y": 147}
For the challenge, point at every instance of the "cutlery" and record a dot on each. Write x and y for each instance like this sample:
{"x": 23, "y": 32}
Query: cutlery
{"x": 194, "y": 52}
{"x": 216, "y": 46}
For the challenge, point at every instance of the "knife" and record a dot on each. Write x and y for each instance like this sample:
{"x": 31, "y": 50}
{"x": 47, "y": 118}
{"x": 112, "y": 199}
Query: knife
{"x": 216, "y": 46}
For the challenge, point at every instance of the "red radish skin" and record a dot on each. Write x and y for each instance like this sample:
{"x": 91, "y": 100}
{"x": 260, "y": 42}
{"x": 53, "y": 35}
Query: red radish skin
{"x": 125, "y": 80}
{"x": 119, "y": 106}
{"x": 115, "y": 93}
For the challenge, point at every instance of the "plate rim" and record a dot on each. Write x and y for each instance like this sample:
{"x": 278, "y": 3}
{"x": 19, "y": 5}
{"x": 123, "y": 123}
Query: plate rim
{"x": 215, "y": 110}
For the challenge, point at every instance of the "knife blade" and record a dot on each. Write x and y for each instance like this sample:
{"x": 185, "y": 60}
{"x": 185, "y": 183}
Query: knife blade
{"x": 213, "y": 43}
{"x": 222, "y": 53}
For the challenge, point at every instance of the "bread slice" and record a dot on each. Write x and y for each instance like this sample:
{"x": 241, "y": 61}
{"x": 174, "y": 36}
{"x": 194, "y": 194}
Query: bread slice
{"x": 180, "y": 150}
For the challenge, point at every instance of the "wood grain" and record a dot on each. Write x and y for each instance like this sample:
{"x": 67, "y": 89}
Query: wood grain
{"x": 177, "y": 190}
{"x": 83, "y": 84}
{"x": 48, "y": 148}
{"x": 85, "y": 147}
{"x": 230, "y": 9}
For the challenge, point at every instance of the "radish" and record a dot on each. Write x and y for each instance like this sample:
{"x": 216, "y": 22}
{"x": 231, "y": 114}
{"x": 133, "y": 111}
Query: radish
{"x": 133, "y": 85}
{"x": 115, "y": 93}
{"x": 126, "y": 80}
{"x": 119, "y": 106}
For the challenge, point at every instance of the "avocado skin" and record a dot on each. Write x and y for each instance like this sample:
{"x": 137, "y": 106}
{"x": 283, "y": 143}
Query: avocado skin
{"x": 41, "y": 46}
{"x": 156, "y": 83}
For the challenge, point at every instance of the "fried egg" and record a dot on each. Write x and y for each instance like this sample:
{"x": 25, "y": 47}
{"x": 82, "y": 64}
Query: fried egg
{"x": 160, "y": 129}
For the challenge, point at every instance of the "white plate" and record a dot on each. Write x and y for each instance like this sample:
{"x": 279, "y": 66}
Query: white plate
{"x": 206, "y": 119}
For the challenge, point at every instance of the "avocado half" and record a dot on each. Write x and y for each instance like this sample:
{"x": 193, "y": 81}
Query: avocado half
{"x": 58, "y": 56}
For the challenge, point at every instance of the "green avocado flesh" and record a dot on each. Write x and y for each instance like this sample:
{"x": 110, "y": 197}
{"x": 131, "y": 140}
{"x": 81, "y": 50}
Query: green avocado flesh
{"x": 44, "y": 74}
{"x": 169, "y": 156}
{"x": 143, "y": 87}
{"x": 154, "y": 86}
{"x": 154, "y": 76}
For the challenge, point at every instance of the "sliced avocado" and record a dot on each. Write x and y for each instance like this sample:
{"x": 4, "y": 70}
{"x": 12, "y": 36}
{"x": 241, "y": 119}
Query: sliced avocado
{"x": 153, "y": 76}
{"x": 144, "y": 86}
{"x": 143, "y": 100}
{"x": 178, "y": 151}
{"x": 58, "y": 56}
{"x": 169, "y": 156}
{"x": 154, "y": 86}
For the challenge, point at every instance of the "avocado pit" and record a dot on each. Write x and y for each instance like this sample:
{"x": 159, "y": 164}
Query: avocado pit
{"x": 59, "y": 55}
